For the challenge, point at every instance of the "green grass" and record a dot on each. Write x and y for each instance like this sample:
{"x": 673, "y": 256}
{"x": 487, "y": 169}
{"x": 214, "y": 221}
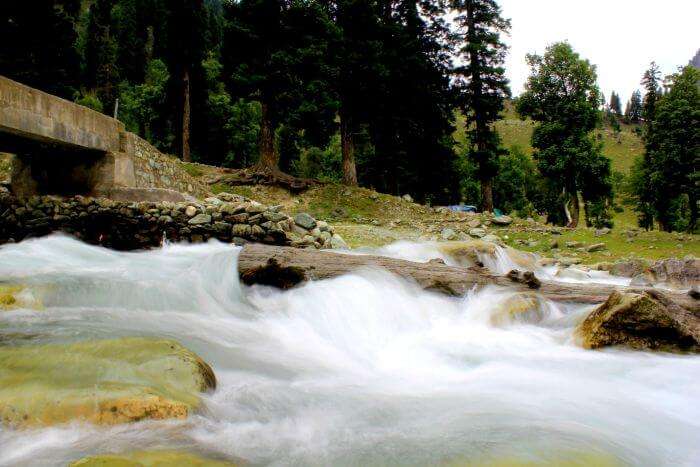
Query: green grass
{"x": 622, "y": 149}
{"x": 192, "y": 169}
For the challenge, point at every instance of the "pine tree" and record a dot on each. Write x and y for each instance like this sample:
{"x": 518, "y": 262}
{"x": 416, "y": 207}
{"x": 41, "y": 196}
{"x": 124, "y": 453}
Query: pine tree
{"x": 566, "y": 113}
{"x": 634, "y": 107}
{"x": 100, "y": 55}
{"x": 615, "y": 104}
{"x": 481, "y": 82}
{"x": 673, "y": 152}
{"x": 186, "y": 49}
{"x": 37, "y": 44}
{"x": 357, "y": 60}
{"x": 643, "y": 191}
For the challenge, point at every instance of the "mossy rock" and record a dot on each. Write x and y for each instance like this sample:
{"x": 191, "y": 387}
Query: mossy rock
{"x": 520, "y": 308}
{"x": 644, "y": 321}
{"x": 104, "y": 382}
{"x": 467, "y": 252}
{"x": 150, "y": 459}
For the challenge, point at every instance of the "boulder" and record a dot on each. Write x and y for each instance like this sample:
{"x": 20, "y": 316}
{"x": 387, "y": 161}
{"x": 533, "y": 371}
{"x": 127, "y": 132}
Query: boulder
{"x": 643, "y": 321}
{"x": 200, "y": 219}
{"x": 502, "y": 220}
{"x": 676, "y": 272}
{"x": 407, "y": 198}
{"x": 338, "y": 242}
{"x": 477, "y": 233}
{"x": 448, "y": 234}
{"x": 596, "y": 247}
{"x": 601, "y": 232}
{"x": 150, "y": 459}
{"x": 103, "y": 382}
{"x": 190, "y": 211}
{"x": 573, "y": 244}
{"x": 305, "y": 221}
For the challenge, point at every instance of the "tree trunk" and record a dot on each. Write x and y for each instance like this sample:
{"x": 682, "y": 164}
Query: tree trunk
{"x": 186, "y": 156}
{"x": 487, "y": 194}
{"x": 285, "y": 267}
{"x": 348, "y": 149}
{"x": 575, "y": 210}
{"x": 268, "y": 157}
{"x": 693, "y": 213}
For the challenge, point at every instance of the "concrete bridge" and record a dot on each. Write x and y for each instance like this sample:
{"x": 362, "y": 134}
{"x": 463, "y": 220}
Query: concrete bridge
{"x": 63, "y": 148}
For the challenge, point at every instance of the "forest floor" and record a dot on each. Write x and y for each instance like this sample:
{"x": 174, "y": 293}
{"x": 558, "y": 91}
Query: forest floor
{"x": 366, "y": 218}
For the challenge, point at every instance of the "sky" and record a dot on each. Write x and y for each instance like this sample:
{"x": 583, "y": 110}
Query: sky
{"x": 621, "y": 37}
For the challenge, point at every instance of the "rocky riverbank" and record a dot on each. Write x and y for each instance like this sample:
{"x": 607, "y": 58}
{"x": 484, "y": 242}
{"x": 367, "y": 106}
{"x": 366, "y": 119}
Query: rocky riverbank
{"x": 127, "y": 225}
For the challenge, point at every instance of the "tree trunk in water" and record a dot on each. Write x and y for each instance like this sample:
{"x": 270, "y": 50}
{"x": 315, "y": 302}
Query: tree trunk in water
{"x": 186, "y": 156}
{"x": 487, "y": 195}
{"x": 575, "y": 210}
{"x": 286, "y": 267}
{"x": 268, "y": 157}
{"x": 348, "y": 149}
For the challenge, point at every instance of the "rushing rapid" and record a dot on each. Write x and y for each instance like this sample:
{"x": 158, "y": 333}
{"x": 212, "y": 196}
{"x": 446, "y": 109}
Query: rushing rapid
{"x": 360, "y": 370}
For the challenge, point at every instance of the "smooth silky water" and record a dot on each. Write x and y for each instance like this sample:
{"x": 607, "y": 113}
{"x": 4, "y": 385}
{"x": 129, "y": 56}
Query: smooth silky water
{"x": 362, "y": 370}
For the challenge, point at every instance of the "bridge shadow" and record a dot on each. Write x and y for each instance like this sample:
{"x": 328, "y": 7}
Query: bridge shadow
{"x": 39, "y": 168}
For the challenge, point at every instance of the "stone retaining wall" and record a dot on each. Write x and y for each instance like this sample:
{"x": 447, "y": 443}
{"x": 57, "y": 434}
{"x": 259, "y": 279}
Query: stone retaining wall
{"x": 127, "y": 225}
{"x": 153, "y": 169}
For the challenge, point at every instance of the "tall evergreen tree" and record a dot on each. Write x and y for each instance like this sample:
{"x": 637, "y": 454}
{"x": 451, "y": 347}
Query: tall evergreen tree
{"x": 37, "y": 44}
{"x": 634, "y": 107}
{"x": 100, "y": 54}
{"x": 562, "y": 96}
{"x": 357, "y": 59}
{"x": 482, "y": 83}
{"x": 186, "y": 49}
{"x": 615, "y": 104}
{"x": 643, "y": 191}
{"x": 668, "y": 175}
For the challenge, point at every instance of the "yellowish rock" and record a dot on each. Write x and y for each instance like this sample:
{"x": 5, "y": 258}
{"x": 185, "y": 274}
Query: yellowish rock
{"x": 520, "y": 308}
{"x": 467, "y": 252}
{"x": 104, "y": 382}
{"x": 150, "y": 459}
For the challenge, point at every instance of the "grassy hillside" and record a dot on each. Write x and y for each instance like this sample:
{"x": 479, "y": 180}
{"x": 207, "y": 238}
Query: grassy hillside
{"x": 622, "y": 149}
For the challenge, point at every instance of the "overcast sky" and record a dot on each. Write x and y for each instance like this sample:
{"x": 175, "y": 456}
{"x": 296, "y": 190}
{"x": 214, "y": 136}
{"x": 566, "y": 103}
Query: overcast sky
{"x": 621, "y": 37}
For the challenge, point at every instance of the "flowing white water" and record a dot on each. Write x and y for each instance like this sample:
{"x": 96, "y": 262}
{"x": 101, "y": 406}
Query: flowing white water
{"x": 361, "y": 370}
{"x": 500, "y": 262}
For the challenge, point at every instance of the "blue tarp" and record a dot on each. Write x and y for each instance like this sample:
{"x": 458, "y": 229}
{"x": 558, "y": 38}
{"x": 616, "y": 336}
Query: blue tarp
{"x": 462, "y": 208}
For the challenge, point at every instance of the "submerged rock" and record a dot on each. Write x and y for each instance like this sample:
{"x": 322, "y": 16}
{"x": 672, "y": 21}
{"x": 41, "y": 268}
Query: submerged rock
{"x": 14, "y": 297}
{"x": 150, "y": 459}
{"x": 646, "y": 321}
{"x": 104, "y": 382}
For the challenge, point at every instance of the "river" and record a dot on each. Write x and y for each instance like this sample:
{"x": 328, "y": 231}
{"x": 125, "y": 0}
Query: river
{"x": 361, "y": 370}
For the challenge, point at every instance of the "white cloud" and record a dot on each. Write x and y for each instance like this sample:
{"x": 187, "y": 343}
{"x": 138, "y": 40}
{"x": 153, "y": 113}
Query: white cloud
{"x": 621, "y": 37}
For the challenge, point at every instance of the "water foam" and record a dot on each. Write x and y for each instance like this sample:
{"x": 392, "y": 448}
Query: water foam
{"x": 364, "y": 369}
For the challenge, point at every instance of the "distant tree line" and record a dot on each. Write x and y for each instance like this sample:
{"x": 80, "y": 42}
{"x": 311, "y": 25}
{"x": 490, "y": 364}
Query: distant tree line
{"x": 354, "y": 91}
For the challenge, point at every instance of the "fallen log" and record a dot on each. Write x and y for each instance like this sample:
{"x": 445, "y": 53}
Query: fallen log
{"x": 254, "y": 176}
{"x": 261, "y": 264}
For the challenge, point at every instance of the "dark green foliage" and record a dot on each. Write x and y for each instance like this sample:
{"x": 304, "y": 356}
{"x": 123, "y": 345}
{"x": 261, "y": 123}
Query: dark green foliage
{"x": 100, "y": 71}
{"x": 481, "y": 82}
{"x": 37, "y": 44}
{"x": 666, "y": 179}
{"x": 615, "y": 104}
{"x": 561, "y": 95}
{"x": 633, "y": 111}
{"x": 515, "y": 184}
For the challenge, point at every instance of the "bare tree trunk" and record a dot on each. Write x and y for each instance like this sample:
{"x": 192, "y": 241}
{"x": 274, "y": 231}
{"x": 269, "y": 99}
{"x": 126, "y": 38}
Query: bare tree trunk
{"x": 575, "y": 211}
{"x": 186, "y": 156}
{"x": 348, "y": 149}
{"x": 268, "y": 156}
{"x": 487, "y": 194}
